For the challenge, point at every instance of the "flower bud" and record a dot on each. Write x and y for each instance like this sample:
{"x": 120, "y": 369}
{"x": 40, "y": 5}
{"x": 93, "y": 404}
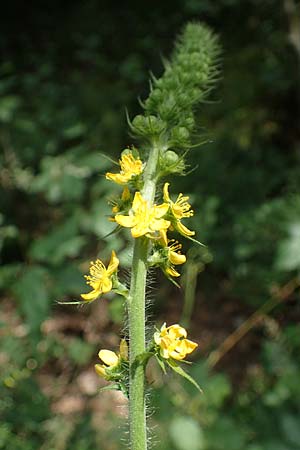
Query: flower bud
{"x": 148, "y": 126}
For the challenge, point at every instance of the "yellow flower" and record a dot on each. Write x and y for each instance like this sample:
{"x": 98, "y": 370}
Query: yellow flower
{"x": 174, "y": 258}
{"x": 143, "y": 219}
{"x": 111, "y": 361}
{"x": 130, "y": 167}
{"x": 179, "y": 210}
{"x": 169, "y": 256}
{"x": 173, "y": 343}
{"x": 100, "y": 277}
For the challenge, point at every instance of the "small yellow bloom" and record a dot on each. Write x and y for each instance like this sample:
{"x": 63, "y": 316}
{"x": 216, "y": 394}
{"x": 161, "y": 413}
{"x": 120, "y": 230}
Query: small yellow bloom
{"x": 143, "y": 219}
{"x": 179, "y": 210}
{"x": 174, "y": 258}
{"x": 100, "y": 277}
{"x": 173, "y": 343}
{"x": 130, "y": 167}
{"x": 171, "y": 255}
{"x": 110, "y": 360}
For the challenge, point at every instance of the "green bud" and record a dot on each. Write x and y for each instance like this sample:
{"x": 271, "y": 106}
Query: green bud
{"x": 170, "y": 162}
{"x": 170, "y": 158}
{"x": 148, "y": 126}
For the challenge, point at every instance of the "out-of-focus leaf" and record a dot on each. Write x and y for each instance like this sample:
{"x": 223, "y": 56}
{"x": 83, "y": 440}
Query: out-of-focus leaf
{"x": 63, "y": 242}
{"x": 289, "y": 250}
{"x": 80, "y": 351}
{"x": 33, "y": 298}
{"x": 186, "y": 434}
{"x": 290, "y": 425}
{"x": 8, "y": 106}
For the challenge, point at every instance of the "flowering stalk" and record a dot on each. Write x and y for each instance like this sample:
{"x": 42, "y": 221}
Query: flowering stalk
{"x": 164, "y": 131}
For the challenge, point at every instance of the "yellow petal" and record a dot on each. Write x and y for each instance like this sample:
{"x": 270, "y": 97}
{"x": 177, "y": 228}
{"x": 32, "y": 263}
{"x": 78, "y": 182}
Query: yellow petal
{"x": 125, "y": 221}
{"x": 176, "y": 331}
{"x": 118, "y": 177}
{"x": 157, "y": 338}
{"x": 164, "y": 353}
{"x": 176, "y": 258}
{"x": 91, "y": 296}
{"x": 139, "y": 230}
{"x": 172, "y": 272}
{"x": 189, "y": 345}
{"x": 100, "y": 370}
{"x": 183, "y": 229}
{"x": 138, "y": 202}
{"x": 108, "y": 357}
{"x": 159, "y": 224}
{"x": 113, "y": 264}
{"x": 166, "y": 193}
{"x": 160, "y": 210}
{"x": 124, "y": 349}
{"x": 106, "y": 285}
{"x": 163, "y": 238}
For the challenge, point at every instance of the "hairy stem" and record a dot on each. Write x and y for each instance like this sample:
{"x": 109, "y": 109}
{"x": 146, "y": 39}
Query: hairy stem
{"x": 138, "y": 435}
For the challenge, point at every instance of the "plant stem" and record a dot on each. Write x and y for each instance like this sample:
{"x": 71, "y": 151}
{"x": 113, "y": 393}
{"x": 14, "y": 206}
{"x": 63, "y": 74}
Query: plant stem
{"x": 138, "y": 434}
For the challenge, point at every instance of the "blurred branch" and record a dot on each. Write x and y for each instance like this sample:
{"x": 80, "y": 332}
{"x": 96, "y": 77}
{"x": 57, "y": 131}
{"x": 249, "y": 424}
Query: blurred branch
{"x": 279, "y": 296}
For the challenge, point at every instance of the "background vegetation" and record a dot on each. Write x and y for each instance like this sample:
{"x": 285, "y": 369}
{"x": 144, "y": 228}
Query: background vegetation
{"x": 67, "y": 73}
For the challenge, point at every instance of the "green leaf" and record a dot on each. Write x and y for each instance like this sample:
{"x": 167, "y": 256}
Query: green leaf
{"x": 186, "y": 434}
{"x": 288, "y": 253}
{"x": 178, "y": 369}
{"x": 32, "y": 295}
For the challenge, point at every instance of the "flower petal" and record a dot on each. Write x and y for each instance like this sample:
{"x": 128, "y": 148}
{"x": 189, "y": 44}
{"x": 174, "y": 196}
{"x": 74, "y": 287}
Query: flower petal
{"x": 166, "y": 193}
{"x": 159, "y": 224}
{"x": 106, "y": 285}
{"x": 172, "y": 272}
{"x": 91, "y": 296}
{"x": 183, "y": 229}
{"x": 126, "y": 221}
{"x": 160, "y": 210}
{"x": 113, "y": 264}
{"x": 176, "y": 331}
{"x": 118, "y": 177}
{"x": 138, "y": 202}
{"x": 100, "y": 370}
{"x": 176, "y": 258}
{"x": 108, "y": 357}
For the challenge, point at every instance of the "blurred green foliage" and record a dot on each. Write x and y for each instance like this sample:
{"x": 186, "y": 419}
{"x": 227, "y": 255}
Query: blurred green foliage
{"x": 67, "y": 74}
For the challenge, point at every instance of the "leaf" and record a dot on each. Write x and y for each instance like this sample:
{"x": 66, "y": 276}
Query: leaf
{"x": 289, "y": 250}
{"x": 32, "y": 295}
{"x": 178, "y": 369}
{"x": 186, "y": 434}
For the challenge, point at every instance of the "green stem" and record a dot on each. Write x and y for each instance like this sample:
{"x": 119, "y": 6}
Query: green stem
{"x": 137, "y": 414}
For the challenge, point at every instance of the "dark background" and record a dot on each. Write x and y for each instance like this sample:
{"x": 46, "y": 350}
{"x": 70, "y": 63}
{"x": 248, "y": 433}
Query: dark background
{"x": 68, "y": 72}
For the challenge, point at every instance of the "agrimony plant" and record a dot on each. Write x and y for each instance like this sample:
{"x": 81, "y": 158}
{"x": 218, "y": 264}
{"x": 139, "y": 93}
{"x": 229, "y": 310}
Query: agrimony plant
{"x": 155, "y": 219}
